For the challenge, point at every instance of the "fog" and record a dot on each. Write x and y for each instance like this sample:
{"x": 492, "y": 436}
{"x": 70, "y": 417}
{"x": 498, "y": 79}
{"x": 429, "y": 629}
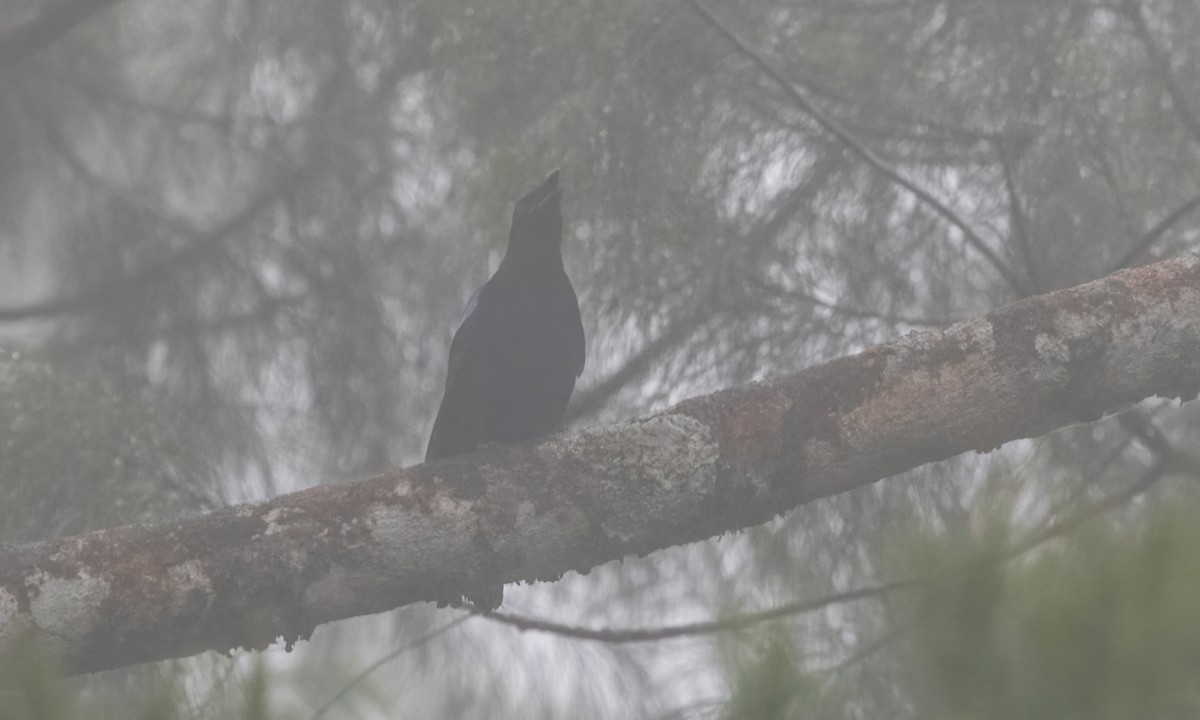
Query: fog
{"x": 236, "y": 239}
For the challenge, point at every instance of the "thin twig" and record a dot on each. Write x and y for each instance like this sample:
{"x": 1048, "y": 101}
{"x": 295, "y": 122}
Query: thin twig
{"x": 893, "y": 318}
{"x": 741, "y": 622}
{"x": 835, "y": 128}
{"x": 1162, "y": 65}
{"x": 1155, "y": 233}
{"x": 1107, "y": 462}
{"x": 1016, "y": 212}
{"x": 383, "y": 661}
{"x": 703, "y": 306}
{"x": 867, "y": 650}
{"x": 1116, "y": 500}
{"x": 200, "y": 245}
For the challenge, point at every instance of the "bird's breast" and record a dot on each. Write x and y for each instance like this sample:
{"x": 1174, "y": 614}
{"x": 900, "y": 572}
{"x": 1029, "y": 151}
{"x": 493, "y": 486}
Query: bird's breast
{"x": 534, "y": 324}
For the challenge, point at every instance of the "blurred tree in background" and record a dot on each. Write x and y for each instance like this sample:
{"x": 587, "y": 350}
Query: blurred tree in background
{"x": 235, "y": 236}
{"x": 79, "y": 455}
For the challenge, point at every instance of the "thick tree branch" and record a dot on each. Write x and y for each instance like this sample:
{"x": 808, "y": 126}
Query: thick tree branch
{"x": 869, "y": 592}
{"x": 249, "y": 574}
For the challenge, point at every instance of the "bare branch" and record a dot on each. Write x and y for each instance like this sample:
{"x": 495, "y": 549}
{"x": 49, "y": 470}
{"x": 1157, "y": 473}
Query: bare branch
{"x": 248, "y": 574}
{"x": 732, "y": 624}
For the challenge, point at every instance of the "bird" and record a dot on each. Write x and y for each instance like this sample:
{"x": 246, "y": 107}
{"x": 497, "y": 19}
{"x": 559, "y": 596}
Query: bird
{"x": 520, "y": 343}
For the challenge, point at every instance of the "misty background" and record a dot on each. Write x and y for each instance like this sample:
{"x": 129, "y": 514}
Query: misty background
{"x": 236, "y": 237}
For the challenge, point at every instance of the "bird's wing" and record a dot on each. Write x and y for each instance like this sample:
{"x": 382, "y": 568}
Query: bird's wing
{"x": 578, "y": 344}
{"x": 470, "y": 308}
{"x": 461, "y": 416}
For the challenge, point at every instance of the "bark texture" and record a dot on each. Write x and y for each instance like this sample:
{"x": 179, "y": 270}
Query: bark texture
{"x": 247, "y": 575}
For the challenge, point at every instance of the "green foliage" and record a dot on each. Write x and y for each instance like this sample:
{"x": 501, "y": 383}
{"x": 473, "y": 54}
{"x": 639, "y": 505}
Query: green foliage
{"x": 1101, "y": 624}
{"x": 768, "y": 683}
{"x": 32, "y": 688}
{"x": 256, "y": 694}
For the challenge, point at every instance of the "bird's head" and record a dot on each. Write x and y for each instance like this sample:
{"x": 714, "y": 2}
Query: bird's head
{"x": 537, "y": 219}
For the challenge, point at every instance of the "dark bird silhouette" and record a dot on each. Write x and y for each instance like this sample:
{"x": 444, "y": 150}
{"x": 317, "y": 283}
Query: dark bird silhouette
{"x": 520, "y": 346}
